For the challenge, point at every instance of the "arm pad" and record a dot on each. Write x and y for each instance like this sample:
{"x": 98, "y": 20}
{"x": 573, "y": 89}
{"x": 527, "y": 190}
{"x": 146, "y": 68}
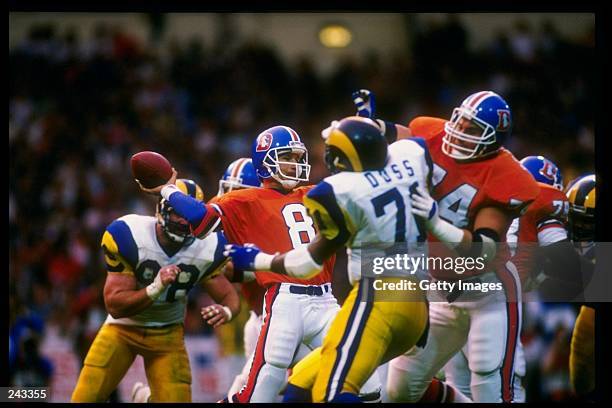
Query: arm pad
{"x": 298, "y": 263}
{"x": 388, "y": 129}
{"x": 487, "y": 240}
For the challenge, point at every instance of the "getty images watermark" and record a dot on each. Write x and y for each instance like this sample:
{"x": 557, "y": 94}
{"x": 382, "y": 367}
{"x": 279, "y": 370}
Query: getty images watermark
{"x": 417, "y": 264}
{"x": 516, "y": 273}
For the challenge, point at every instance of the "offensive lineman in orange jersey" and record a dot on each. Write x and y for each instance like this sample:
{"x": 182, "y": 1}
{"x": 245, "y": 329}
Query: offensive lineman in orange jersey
{"x": 544, "y": 222}
{"x": 540, "y": 233}
{"x": 478, "y": 189}
{"x": 296, "y": 311}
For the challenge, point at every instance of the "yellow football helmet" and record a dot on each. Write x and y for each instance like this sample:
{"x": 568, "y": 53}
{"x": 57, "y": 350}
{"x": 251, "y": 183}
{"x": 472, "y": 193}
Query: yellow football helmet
{"x": 581, "y": 196}
{"x": 354, "y": 144}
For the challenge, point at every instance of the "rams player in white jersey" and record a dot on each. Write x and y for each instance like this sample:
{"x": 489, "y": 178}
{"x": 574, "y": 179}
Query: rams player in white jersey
{"x": 152, "y": 263}
{"x": 366, "y": 201}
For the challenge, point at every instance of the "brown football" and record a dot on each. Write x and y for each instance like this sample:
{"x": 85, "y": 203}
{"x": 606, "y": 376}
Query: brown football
{"x": 151, "y": 168}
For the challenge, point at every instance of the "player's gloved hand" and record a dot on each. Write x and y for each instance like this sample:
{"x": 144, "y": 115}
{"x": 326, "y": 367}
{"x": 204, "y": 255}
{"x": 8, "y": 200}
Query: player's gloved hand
{"x": 157, "y": 190}
{"x": 325, "y": 132}
{"x": 424, "y": 206}
{"x": 216, "y": 314}
{"x": 365, "y": 102}
{"x": 243, "y": 257}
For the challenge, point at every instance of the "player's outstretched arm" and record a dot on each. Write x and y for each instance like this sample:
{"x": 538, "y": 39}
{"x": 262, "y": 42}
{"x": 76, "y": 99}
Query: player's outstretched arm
{"x": 365, "y": 102}
{"x": 304, "y": 262}
{"x": 203, "y": 218}
{"x": 227, "y": 302}
{"x": 123, "y": 298}
{"x": 490, "y": 224}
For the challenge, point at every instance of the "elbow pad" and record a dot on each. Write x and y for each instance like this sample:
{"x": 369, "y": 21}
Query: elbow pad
{"x": 298, "y": 263}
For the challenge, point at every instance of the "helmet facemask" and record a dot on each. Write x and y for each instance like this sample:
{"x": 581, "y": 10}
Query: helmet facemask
{"x": 301, "y": 166}
{"x": 177, "y": 232}
{"x": 455, "y": 140}
{"x": 582, "y": 223}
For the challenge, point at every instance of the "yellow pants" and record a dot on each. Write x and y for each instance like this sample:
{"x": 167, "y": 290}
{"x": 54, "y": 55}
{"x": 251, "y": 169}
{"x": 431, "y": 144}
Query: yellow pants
{"x": 364, "y": 334}
{"x": 582, "y": 354}
{"x": 115, "y": 348}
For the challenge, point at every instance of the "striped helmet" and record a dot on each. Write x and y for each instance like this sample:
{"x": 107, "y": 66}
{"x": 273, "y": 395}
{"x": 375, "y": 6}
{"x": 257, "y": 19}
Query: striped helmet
{"x": 238, "y": 175}
{"x": 178, "y": 232}
{"x": 267, "y": 150}
{"x": 544, "y": 171}
{"x": 581, "y": 196}
{"x": 478, "y": 127}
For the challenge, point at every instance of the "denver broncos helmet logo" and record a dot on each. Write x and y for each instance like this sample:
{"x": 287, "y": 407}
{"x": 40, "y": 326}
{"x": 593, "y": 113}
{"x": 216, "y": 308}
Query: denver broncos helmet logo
{"x": 264, "y": 142}
{"x": 548, "y": 170}
{"x": 503, "y": 122}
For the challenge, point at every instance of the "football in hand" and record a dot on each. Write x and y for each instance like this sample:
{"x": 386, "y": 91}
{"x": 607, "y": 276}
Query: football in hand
{"x": 151, "y": 169}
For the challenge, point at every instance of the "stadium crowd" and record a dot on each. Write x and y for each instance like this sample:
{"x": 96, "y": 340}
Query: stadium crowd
{"x": 79, "y": 108}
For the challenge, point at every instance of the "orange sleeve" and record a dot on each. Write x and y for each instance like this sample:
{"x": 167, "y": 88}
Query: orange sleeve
{"x": 511, "y": 187}
{"x": 426, "y": 126}
{"x": 554, "y": 206}
{"x": 232, "y": 220}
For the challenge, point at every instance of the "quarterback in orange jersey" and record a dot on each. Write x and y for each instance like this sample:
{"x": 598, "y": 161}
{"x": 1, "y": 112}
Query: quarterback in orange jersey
{"x": 478, "y": 188}
{"x": 241, "y": 174}
{"x": 296, "y": 311}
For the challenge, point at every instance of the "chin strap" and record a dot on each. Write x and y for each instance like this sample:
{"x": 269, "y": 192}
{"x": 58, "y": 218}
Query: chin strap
{"x": 287, "y": 184}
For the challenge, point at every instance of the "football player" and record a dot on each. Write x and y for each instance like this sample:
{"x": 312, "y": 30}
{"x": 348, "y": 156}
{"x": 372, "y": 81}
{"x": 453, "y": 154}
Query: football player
{"x": 581, "y": 195}
{"x": 295, "y": 311}
{"x": 478, "y": 189}
{"x": 152, "y": 264}
{"x": 365, "y": 201}
{"x": 241, "y": 174}
{"x": 238, "y": 175}
{"x": 544, "y": 224}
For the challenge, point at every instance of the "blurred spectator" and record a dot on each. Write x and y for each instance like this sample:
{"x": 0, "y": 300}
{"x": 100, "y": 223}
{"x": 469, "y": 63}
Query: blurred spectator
{"x": 28, "y": 368}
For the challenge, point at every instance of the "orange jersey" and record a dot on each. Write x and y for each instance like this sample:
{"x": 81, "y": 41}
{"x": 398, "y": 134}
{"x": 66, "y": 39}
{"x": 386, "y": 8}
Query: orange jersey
{"x": 542, "y": 224}
{"x": 463, "y": 188}
{"x": 273, "y": 221}
{"x": 254, "y": 295}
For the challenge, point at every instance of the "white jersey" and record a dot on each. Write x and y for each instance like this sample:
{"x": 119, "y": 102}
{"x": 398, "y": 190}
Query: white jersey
{"x": 374, "y": 207}
{"x": 131, "y": 247}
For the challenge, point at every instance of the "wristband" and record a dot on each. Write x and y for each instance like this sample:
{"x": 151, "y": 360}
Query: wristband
{"x": 155, "y": 289}
{"x": 263, "y": 261}
{"x": 447, "y": 232}
{"x": 228, "y": 312}
{"x": 167, "y": 190}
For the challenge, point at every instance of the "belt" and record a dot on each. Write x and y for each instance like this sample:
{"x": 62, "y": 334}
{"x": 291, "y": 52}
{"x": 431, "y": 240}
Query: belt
{"x": 309, "y": 290}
